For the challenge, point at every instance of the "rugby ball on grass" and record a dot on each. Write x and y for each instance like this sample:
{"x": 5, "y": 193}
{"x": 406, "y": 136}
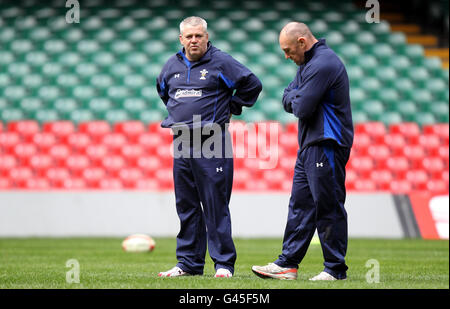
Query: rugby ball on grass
{"x": 138, "y": 243}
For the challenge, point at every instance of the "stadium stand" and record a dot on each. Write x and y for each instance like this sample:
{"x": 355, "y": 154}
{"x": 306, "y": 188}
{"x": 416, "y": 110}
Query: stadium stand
{"x": 79, "y": 109}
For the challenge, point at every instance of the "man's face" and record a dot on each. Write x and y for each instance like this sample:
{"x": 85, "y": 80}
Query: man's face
{"x": 293, "y": 49}
{"x": 195, "y": 42}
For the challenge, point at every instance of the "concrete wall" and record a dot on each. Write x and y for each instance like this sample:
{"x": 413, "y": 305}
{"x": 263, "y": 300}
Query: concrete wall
{"x": 102, "y": 213}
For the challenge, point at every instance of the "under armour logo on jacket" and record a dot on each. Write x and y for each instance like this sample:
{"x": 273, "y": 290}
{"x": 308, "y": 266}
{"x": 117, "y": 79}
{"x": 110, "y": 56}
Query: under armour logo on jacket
{"x": 319, "y": 164}
{"x": 176, "y": 76}
{"x": 219, "y": 169}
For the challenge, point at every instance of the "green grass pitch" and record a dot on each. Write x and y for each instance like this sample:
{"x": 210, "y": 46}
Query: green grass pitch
{"x": 40, "y": 263}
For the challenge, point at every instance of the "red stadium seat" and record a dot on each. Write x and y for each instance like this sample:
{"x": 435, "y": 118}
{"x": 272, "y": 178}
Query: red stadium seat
{"x": 130, "y": 176}
{"x": 132, "y": 152}
{"x": 398, "y": 165}
{"x": 257, "y": 185}
{"x": 57, "y": 175}
{"x": 19, "y": 175}
{"x": 114, "y": 142}
{"x": 150, "y": 142}
{"x": 437, "y": 186}
{"x": 110, "y": 184}
{"x": 361, "y": 142}
{"x": 165, "y": 133}
{"x": 418, "y": 179}
{"x": 131, "y": 129}
{"x": 59, "y": 153}
{"x": 439, "y": 129}
{"x": 5, "y": 183}
{"x": 289, "y": 142}
{"x": 434, "y": 166}
{"x": 410, "y": 130}
{"x": 148, "y": 164}
{"x": 25, "y": 128}
{"x": 37, "y": 184}
{"x": 96, "y": 153}
{"x": 376, "y": 130}
{"x": 396, "y": 142}
{"x": 40, "y": 163}
{"x": 400, "y": 186}
{"x": 24, "y": 151}
{"x": 78, "y": 141}
{"x": 365, "y": 185}
{"x": 7, "y": 162}
{"x": 443, "y": 153}
{"x": 147, "y": 184}
{"x": 274, "y": 178}
{"x": 382, "y": 178}
{"x": 240, "y": 178}
{"x": 291, "y": 127}
{"x": 95, "y": 129}
{"x": 362, "y": 164}
{"x": 430, "y": 143}
{"x": 73, "y": 183}
{"x": 77, "y": 163}
{"x": 164, "y": 176}
{"x": 113, "y": 164}
{"x": 44, "y": 140}
{"x": 59, "y": 128}
{"x": 93, "y": 175}
{"x": 8, "y": 140}
{"x": 379, "y": 153}
{"x": 415, "y": 155}
{"x": 165, "y": 155}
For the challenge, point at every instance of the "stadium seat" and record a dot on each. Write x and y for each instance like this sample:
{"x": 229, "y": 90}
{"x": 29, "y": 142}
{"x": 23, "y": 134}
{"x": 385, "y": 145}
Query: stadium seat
{"x": 7, "y": 162}
{"x": 418, "y": 179}
{"x": 382, "y": 178}
{"x": 92, "y": 176}
{"x": 60, "y": 129}
{"x": 25, "y": 129}
{"x": 76, "y": 164}
{"x": 131, "y": 129}
{"x": 40, "y": 163}
{"x": 96, "y": 130}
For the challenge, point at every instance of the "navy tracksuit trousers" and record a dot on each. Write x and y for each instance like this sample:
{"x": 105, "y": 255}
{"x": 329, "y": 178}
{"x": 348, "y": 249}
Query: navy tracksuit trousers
{"x": 317, "y": 202}
{"x": 202, "y": 192}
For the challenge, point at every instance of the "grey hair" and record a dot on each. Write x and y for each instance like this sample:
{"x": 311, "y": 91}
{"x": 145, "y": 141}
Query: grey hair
{"x": 193, "y": 21}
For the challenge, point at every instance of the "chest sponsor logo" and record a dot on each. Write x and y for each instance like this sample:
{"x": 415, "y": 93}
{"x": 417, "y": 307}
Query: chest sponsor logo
{"x": 187, "y": 93}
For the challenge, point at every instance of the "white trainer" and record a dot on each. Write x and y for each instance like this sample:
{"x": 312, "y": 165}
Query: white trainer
{"x": 174, "y": 272}
{"x": 324, "y": 276}
{"x": 223, "y": 273}
{"x": 274, "y": 271}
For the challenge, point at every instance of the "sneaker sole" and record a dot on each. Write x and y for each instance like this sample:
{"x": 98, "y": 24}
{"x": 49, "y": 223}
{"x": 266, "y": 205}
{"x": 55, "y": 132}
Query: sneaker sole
{"x": 264, "y": 275}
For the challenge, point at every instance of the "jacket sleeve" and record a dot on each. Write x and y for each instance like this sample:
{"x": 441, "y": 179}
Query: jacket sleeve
{"x": 305, "y": 99}
{"x": 287, "y": 97}
{"x": 246, "y": 85}
{"x": 161, "y": 86}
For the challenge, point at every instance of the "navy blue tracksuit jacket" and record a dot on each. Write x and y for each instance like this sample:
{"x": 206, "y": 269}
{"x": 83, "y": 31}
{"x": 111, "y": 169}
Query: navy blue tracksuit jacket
{"x": 319, "y": 97}
{"x": 213, "y": 88}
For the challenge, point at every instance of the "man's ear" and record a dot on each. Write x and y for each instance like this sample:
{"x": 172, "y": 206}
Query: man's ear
{"x": 301, "y": 41}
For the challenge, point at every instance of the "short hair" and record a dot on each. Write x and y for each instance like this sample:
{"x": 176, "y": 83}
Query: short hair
{"x": 294, "y": 30}
{"x": 193, "y": 21}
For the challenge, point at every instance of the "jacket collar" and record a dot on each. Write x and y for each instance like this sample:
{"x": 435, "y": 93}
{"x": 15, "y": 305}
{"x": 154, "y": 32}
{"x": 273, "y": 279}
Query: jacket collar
{"x": 311, "y": 52}
{"x": 206, "y": 57}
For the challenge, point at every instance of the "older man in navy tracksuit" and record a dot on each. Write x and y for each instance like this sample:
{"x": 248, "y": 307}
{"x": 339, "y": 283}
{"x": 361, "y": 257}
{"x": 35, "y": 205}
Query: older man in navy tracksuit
{"x": 319, "y": 97}
{"x": 201, "y": 87}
